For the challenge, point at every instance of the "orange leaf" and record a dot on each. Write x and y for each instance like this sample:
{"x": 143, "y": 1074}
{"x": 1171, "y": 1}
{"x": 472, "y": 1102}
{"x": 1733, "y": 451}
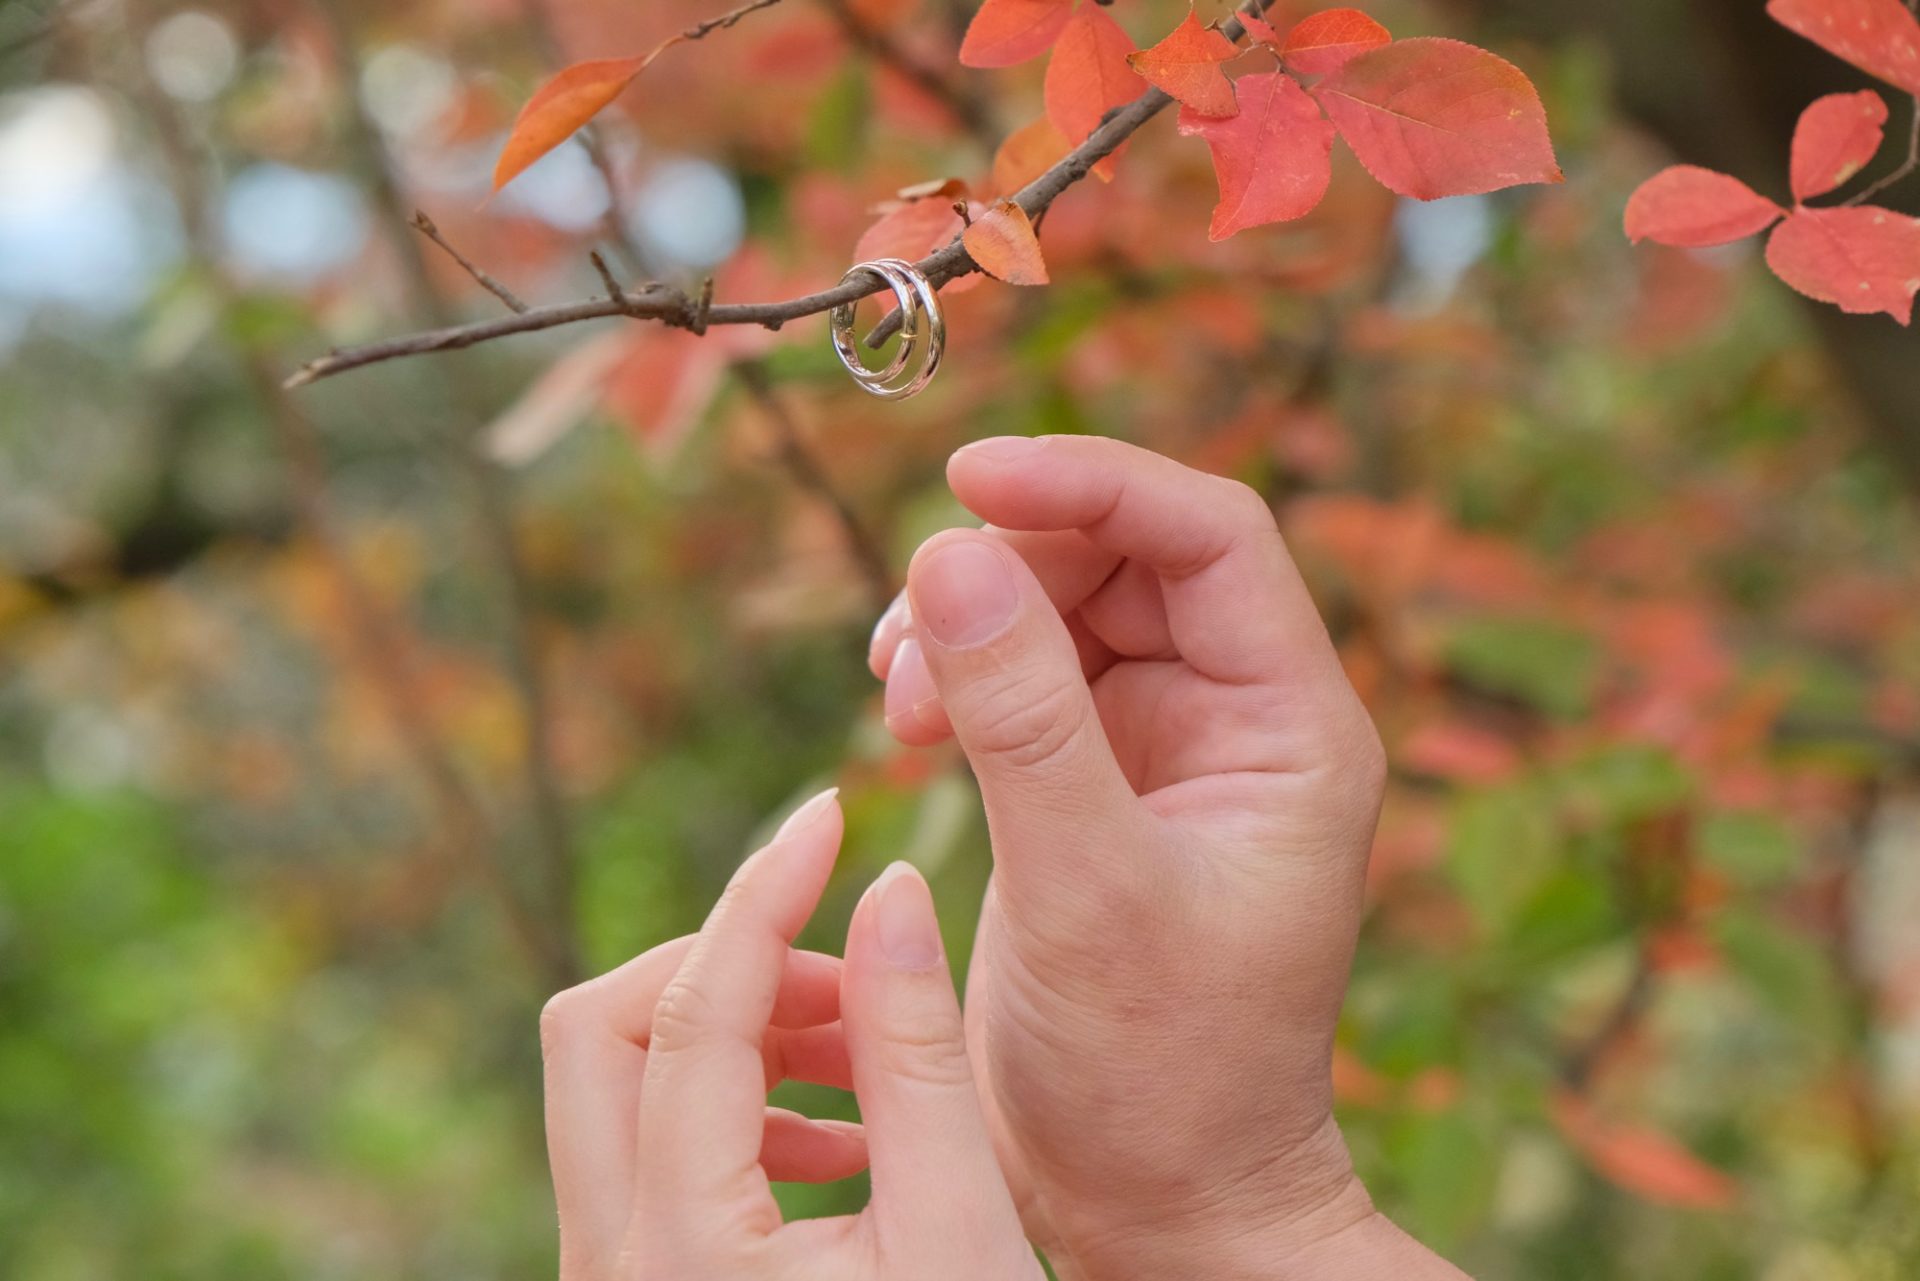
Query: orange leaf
{"x": 1088, "y": 74}
{"x": 561, "y": 106}
{"x": 1329, "y": 40}
{"x": 1272, "y": 160}
{"x": 1004, "y": 32}
{"x": 1028, "y": 152}
{"x": 1881, "y": 37}
{"x": 911, "y": 231}
{"x": 1835, "y": 139}
{"x": 1690, "y": 208}
{"x": 1858, "y": 257}
{"x": 1002, "y": 242}
{"x": 1430, "y": 117}
{"x": 1186, "y": 65}
{"x": 1642, "y": 1160}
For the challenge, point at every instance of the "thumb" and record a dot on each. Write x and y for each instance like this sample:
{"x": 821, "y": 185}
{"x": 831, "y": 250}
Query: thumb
{"x": 1011, "y": 682}
{"x": 934, "y": 1172}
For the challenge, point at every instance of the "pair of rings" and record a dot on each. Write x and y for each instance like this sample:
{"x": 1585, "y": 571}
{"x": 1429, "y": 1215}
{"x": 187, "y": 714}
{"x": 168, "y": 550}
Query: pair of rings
{"x": 921, "y": 320}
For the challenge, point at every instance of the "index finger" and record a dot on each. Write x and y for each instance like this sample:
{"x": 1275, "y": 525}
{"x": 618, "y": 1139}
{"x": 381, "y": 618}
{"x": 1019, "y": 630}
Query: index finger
{"x": 1236, "y": 606}
{"x": 703, "y": 1099}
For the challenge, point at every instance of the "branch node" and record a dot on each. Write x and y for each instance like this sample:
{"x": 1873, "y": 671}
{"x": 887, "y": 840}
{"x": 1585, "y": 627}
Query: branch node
{"x": 704, "y": 309}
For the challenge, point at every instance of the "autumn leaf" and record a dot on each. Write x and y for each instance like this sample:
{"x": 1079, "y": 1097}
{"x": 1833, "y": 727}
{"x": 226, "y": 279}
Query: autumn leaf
{"x": 1002, "y": 242}
{"x": 561, "y": 106}
{"x": 1859, "y": 257}
{"x": 1088, "y": 74}
{"x": 1330, "y": 39}
{"x": 1028, "y": 152}
{"x": 1186, "y": 66}
{"x": 1272, "y": 160}
{"x": 1258, "y": 30}
{"x": 1431, "y": 117}
{"x": 1881, "y": 37}
{"x": 1642, "y": 1160}
{"x": 1690, "y": 208}
{"x": 1005, "y": 32}
{"x": 1835, "y": 139}
{"x": 911, "y": 230}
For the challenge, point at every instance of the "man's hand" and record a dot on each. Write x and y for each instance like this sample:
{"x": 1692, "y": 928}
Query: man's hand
{"x": 1181, "y": 788}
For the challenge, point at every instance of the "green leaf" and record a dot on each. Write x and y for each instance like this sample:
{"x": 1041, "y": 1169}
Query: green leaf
{"x": 1501, "y": 845}
{"x": 1754, "y": 848}
{"x": 1545, "y": 664}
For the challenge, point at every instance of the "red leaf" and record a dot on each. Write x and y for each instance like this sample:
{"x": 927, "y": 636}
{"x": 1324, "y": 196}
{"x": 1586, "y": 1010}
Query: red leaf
{"x": 1004, "y": 32}
{"x": 1430, "y": 117}
{"x": 1272, "y": 160}
{"x": 1861, "y": 258}
{"x": 1881, "y": 37}
{"x": 1329, "y": 40}
{"x": 1088, "y": 75}
{"x": 1187, "y": 66}
{"x": 1835, "y": 139}
{"x": 1002, "y": 242}
{"x": 1457, "y": 749}
{"x": 1258, "y": 30}
{"x": 1642, "y": 1160}
{"x": 1691, "y": 208}
{"x": 911, "y": 231}
{"x": 561, "y": 106}
{"x": 1028, "y": 152}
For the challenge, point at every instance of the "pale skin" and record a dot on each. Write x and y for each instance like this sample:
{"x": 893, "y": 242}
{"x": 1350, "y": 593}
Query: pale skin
{"x": 1181, "y": 789}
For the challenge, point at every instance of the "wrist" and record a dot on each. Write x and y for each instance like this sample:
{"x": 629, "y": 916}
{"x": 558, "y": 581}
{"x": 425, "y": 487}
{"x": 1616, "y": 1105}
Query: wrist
{"x": 1249, "y": 1228}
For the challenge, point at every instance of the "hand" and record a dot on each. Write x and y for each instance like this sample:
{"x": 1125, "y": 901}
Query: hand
{"x": 656, "y": 1075}
{"x": 1181, "y": 789}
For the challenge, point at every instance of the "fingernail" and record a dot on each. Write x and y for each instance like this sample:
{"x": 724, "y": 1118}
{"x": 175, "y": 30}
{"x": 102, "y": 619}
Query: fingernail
{"x": 909, "y": 683}
{"x": 887, "y": 630}
{"x": 999, "y": 449}
{"x": 903, "y": 918}
{"x": 965, "y": 593}
{"x": 806, "y": 815}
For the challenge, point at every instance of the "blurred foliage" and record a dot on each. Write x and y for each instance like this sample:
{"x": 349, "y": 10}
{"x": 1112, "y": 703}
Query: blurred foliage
{"x": 1634, "y": 606}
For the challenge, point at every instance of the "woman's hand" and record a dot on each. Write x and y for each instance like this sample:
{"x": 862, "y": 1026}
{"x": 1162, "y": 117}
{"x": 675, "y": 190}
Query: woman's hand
{"x": 656, "y": 1075}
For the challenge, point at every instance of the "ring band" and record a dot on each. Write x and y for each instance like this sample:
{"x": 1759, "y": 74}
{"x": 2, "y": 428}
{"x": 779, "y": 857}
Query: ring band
{"x": 917, "y": 300}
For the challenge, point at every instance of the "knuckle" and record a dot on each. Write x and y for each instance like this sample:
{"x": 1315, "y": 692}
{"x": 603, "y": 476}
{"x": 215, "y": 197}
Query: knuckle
{"x": 926, "y": 1056}
{"x": 1244, "y": 506}
{"x": 562, "y": 1018}
{"x": 1029, "y": 722}
{"x": 683, "y": 1018}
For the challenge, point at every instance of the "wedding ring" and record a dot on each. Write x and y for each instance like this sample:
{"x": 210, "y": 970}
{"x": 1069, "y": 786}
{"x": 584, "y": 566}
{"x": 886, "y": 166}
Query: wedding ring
{"x": 919, "y": 305}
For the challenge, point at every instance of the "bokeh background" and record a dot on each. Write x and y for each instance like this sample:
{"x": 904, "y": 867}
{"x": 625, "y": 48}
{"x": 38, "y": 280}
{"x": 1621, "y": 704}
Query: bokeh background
{"x": 340, "y": 727}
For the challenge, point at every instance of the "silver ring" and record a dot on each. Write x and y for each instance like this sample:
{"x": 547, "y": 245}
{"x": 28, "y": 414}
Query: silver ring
{"x": 917, "y": 301}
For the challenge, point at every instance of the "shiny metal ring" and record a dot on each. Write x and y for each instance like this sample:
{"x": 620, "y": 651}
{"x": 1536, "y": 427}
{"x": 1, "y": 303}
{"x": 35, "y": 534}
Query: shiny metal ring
{"x": 918, "y": 304}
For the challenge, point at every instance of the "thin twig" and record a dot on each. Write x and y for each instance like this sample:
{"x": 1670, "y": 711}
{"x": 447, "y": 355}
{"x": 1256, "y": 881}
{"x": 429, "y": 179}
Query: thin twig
{"x": 431, "y": 232}
{"x": 808, "y": 473}
{"x": 614, "y": 288}
{"x": 1907, "y": 166}
{"x": 700, "y": 30}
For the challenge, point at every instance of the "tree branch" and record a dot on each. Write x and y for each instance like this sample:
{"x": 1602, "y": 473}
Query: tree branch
{"x": 673, "y": 307}
{"x": 427, "y": 228}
